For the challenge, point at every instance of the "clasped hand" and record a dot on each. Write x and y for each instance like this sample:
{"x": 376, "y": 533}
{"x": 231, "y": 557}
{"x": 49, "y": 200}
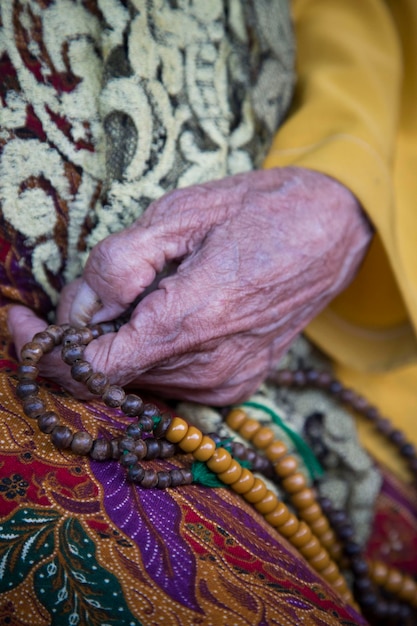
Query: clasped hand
{"x": 256, "y": 257}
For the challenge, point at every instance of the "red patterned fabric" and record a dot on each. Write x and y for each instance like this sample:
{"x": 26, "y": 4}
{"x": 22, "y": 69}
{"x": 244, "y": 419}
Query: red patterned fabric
{"x": 79, "y": 544}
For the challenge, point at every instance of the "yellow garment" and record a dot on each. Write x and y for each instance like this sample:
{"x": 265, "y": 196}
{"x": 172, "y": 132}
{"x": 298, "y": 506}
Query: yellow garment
{"x": 354, "y": 117}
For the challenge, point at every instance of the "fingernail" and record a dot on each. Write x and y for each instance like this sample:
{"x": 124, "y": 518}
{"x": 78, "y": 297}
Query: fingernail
{"x": 85, "y": 304}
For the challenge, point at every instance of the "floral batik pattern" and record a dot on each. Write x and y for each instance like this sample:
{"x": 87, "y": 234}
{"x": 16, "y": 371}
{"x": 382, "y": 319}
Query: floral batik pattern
{"x": 106, "y": 105}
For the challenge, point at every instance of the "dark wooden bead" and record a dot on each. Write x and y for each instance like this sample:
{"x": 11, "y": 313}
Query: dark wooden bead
{"x": 61, "y": 437}
{"x": 152, "y": 449}
{"x": 101, "y": 450}
{"x": 284, "y": 377}
{"x": 33, "y": 407}
{"x": 167, "y": 449}
{"x": 239, "y": 450}
{"x": 126, "y": 443}
{"x": 27, "y": 371}
{"x": 187, "y": 476}
{"x": 146, "y": 423}
{"x": 299, "y": 378}
{"x": 31, "y": 352}
{"x": 150, "y": 479}
{"x": 364, "y": 585}
{"x": 397, "y": 437}
{"x": 324, "y": 380}
{"x": 369, "y": 600}
{"x": 134, "y": 430}
{"x": 162, "y": 426}
{"x": 26, "y": 388}
{"x": 136, "y": 473}
{"x": 48, "y": 421}
{"x": 384, "y": 425}
{"x": 81, "y": 443}
{"x": 81, "y": 371}
{"x": 56, "y": 332}
{"x": 140, "y": 448}
{"x": 72, "y": 336}
{"x": 72, "y": 353}
{"x": 337, "y": 517}
{"x": 150, "y": 410}
{"x": 347, "y": 396}
{"x": 351, "y": 548}
{"x": 45, "y": 340}
{"x": 177, "y": 478}
{"x": 360, "y": 404}
{"x": 408, "y": 450}
{"x": 164, "y": 480}
{"x": 96, "y": 331}
{"x": 335, "y": 388}
{"x": 217, "y": 439}
{"x": 359, "y": 566}
{"x": 371, "y": 413}
{"x": 114, "y": 396}
{"x": 97, "y": 383}
{"x": 114, "y": 445}
{"x": 128, "y": 458}
{"x": 312, "y": 376}
{"x": 345, "y": 532}
{"x": 132, "y": 405}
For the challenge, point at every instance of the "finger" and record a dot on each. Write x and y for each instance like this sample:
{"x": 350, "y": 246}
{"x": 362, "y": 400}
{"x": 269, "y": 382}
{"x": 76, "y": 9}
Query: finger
{"x": 23, "y": 324}
{"x": 119, "y": 269}
{"x": 66, "y": 299}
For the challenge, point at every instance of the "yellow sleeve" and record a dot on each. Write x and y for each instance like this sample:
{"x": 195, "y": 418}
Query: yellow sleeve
{"x": 354, "y": 118}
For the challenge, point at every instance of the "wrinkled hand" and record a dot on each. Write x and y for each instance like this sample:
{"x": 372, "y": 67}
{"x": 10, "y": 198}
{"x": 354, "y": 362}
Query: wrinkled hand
{"x": 258, "y": 256}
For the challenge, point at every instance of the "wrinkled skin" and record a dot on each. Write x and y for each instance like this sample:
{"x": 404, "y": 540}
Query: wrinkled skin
{"x": 257, "y": 255}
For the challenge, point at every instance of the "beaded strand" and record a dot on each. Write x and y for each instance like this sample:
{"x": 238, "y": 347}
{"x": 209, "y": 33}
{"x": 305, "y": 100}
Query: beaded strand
{"x": 155, "y": 435}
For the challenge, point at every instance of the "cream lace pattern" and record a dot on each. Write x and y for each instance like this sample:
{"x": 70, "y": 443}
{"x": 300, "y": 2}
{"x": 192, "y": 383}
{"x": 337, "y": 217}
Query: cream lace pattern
{"x": 167, "y": 94}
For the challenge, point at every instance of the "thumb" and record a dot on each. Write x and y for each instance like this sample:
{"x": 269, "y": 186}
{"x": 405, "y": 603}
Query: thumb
{"x": 121, "y": 268}
{"x": 23, "y": 324}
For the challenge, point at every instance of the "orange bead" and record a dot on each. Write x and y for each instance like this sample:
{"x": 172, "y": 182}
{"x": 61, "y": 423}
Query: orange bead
{"x": 303, "y": 499}
{"x": 232, "y": 474}
{"x": 275, "y": 451}
{"x": 267, "y": 504}
{"x": 176, "y": 430}
{"x": 192, "y": 439}
{"x": 205, "y": 450}
{"x": 245, "y": 482}
{"x": 263, "y": 438}
{"x": 290, "y": 527}
{"x": 294, "y": 483}
{"x": 236, "y": 418}
{"x": 302, "y": 536}
{"x": 331, "y": 572}
{"x": 319, "y": 526}
{"x": 409, "y": 590}
{"x": 278, "y": 516}
{"x": 286, "y": 466}
{"x": 379, "y": 572}
{"x": 394, "y": 580}
{"x": 311, "y": 513}
{"x": 249, "y": 428}
{"x": 311, "y": 549}
{"x": 257, "y": 491}
{"x": 220, "y": 461}
{"x": 320, "y": 561}
{"x": 328, "y": 539}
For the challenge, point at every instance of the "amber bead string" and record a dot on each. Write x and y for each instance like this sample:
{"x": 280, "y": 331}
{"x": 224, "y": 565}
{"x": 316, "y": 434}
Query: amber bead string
{"x": 338, "y": 537}
{"x": 157, "y": 436}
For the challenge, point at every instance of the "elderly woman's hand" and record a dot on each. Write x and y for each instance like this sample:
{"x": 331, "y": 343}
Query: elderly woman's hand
{"x": 257, "y": 256}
